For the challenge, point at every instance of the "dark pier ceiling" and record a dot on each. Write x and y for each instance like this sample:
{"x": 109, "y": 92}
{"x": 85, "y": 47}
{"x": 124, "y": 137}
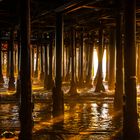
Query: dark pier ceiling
{"x": 79, "y": 13}
{"x": 85, "y": 13}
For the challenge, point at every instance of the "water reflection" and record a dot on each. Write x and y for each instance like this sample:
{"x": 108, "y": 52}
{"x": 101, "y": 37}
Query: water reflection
{"x": 80, "y": 121}
{"x": 89, "y": 116}
{"x": 8, "y": 116}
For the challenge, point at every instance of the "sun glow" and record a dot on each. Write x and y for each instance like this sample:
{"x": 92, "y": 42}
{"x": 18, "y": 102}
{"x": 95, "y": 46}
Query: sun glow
{"x": 104, "y": 64}
{"x": 95, "y": 64}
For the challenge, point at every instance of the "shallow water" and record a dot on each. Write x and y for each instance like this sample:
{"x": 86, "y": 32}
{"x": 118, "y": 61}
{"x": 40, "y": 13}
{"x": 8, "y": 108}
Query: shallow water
{"x": 82, "y": 120}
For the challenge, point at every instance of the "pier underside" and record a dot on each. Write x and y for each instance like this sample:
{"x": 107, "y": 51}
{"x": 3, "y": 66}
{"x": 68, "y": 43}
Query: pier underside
{"x": 69, "y": 69}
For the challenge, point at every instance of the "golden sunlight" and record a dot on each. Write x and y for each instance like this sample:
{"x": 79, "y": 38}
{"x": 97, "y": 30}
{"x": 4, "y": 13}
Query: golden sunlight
{"x": 95, "y": 63}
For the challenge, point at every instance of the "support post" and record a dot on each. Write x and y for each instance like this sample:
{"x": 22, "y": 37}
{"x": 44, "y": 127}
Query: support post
{"x": 130, "y": 116}
{"x": 50, "y": 79}
{"x": 32, "y": 62}
{"x": 111, "y": 78}
{"x": 58, "y": 101}
{"x": 81, "y": 80}
{"x": 89, "y": 76}
{"x": 68, "y": 62}
{"x": 119, "y": 86}
{"x": 107, "y": 62}
{"x": 99, "y": 86}
{"x": 73, "y": 88}
{"x": 15, "y": 60}
{"x": 46, "y": 67}
{"x": 7, "y": 68}
{"x": 37, "y": 56}
{"x": 138, "y": 63}
{"x": 19, "y": 57}
{"x": 41, "y": 62}
{"x": 1, "y": 75}
{"x": 11, "y": 84}
{"x": 26, "y": 106}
